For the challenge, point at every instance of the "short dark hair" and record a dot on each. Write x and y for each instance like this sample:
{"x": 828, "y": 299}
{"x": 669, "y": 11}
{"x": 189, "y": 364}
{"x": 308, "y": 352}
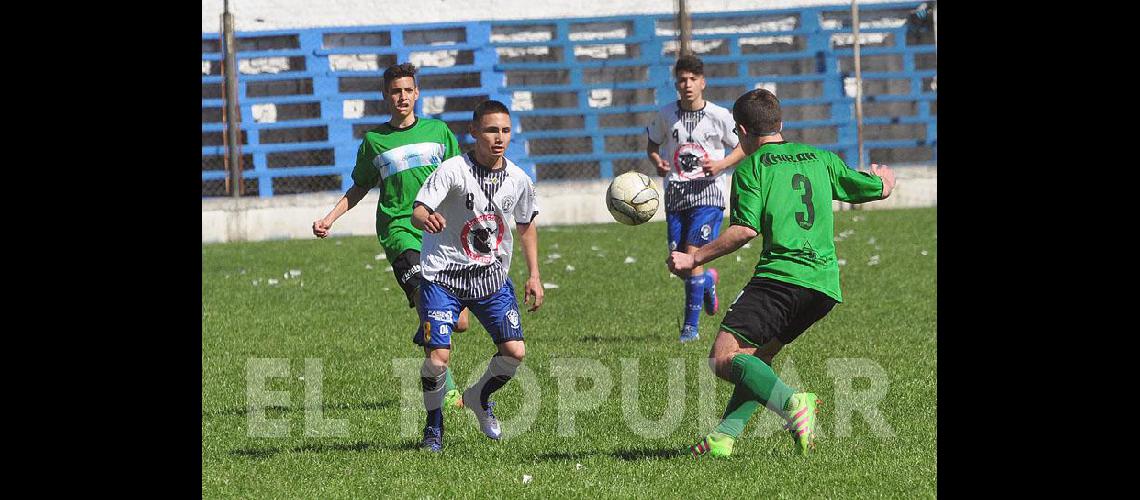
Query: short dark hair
{"x": 759, "y": 111}
{"x": 487, "y": 107}
{"x": 396, "y": 71}
{"x": 690, "y": 63}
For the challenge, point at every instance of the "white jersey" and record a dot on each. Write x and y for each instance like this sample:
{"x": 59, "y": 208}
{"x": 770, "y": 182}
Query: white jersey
{"x": 472, "y": 255}
{"x": 687, "y": 137}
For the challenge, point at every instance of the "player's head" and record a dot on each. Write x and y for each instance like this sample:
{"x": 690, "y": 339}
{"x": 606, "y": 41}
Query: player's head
{"x": 400, "y": 89}
{"x": 491, "y": 128}
{"x": 757, "y": 114}
{"x": 689, "y": 73}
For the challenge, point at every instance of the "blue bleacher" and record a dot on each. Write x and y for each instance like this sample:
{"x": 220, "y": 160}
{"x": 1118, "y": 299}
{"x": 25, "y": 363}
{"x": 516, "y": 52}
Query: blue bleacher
{"x": 286, "y": 159}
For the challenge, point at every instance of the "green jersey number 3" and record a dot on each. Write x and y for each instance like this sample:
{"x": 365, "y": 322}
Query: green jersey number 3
{"x": 805, "y": 220}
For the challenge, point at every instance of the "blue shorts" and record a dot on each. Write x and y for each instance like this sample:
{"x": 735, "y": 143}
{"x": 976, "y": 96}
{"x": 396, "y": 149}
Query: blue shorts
{"x": 696, "y": 226}
{"x": 498, "y": 313}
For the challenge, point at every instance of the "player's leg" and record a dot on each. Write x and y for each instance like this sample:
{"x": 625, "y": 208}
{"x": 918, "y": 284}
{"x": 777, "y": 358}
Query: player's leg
{"x": 703, "y": 229}
{"x": 750, "y": 327}
{"x": 461, "y": 325}
{"x": 678, "y": 227}
{"x": 438, "y": 310}
{"x": 499, "y": 314}
{"x": 800, "y": 411}
{"x": 406, "y": 269}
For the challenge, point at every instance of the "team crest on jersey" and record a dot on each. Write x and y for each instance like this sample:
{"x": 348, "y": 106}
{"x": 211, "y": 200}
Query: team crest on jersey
{"x": 687, "y": 160}
{"x": 481, "y": 237}
{"x": 508, "y": 203}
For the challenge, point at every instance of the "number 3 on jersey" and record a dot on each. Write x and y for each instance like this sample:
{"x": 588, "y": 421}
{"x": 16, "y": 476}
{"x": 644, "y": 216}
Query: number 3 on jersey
{"x": 804, "y": 220}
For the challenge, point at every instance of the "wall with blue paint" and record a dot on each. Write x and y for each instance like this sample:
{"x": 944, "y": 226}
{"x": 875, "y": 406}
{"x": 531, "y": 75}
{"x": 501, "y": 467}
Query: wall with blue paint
{"x": 580, "y": 89}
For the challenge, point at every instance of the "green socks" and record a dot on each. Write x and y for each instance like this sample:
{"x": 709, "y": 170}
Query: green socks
{"x": 756, "y": 384}
{"x": 740, "y": 408}
{"x": 448, "y": 384}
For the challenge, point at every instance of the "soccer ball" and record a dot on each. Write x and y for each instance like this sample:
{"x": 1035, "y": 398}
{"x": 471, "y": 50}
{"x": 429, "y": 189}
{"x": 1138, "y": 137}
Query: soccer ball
{"x": 632, "y": 198}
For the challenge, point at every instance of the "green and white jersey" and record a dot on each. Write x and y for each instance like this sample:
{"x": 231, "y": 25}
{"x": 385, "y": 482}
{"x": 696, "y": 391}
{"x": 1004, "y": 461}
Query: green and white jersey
{"x": 398, "y": 160}
{"x": 784, "y": 192}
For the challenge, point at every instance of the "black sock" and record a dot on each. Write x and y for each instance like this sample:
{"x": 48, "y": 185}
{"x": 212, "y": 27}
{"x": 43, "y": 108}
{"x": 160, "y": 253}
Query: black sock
{"x": 498, "y": 373}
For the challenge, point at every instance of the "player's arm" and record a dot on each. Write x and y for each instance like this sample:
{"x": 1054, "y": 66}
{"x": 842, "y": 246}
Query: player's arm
{"x": 426, "y": 219}
{"x": 747, "y": 211}
{"x": 653, "y": 150}
{"x": 853, "y": 186}
{"x": 713, "y": 167}
{"x": 364, "y": 177}
{"x": 351, "y": 197}
{"x": 729, "y": 241}
{"x": 528, "y": 236}
{"x": 434, "y": 190}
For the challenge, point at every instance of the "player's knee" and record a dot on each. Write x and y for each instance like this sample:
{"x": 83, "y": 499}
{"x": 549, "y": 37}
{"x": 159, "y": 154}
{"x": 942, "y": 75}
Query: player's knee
{"x": 722, "y": 366}
{"x": 514, "y": 349}
{"x": 438, "y": 359}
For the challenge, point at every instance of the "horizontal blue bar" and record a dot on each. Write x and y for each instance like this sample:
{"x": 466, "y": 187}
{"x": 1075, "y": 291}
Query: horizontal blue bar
{"x": 213, "y": 175}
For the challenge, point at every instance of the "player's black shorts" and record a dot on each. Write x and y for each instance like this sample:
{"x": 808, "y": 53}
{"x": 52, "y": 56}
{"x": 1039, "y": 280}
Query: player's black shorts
{"x": 407, "y": 271}
{"x": 769, "y": 308}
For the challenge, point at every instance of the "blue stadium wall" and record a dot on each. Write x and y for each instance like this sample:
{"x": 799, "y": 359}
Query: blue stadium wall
{"x": 581, "y": 90}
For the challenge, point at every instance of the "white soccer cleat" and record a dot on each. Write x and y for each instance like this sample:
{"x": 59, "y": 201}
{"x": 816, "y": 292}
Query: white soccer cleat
{"x": 485, "y": 414}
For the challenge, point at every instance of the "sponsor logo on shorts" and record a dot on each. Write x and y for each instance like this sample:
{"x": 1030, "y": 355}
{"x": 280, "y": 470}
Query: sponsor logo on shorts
{"x": 427, "y": 332}
{"x": 672, "y": 245}
{"x": 441, "y": 316}
{"x": 409, "y": 273}
{"x": 513, "y": 318}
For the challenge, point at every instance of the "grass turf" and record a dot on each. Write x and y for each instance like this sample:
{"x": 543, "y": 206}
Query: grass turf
{"x": 345, "y": 313}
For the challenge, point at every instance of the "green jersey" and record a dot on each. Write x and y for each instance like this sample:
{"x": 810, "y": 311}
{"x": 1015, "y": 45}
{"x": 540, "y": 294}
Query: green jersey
{"x": 398, "y": 160}
{"x": 784, "y": 192}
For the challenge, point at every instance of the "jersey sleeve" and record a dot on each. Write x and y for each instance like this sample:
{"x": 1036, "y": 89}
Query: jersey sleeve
{"x": 727, "y": 133}
{"x": 436, "y": 187}
{"x": 450, "y": 143}
{"x": 527, "y": 207}
{"x": 746, "y": 197}
{"x": 365, "y": 174}
{"x": 850, "y": 185}
{"x": 656, "y": 129}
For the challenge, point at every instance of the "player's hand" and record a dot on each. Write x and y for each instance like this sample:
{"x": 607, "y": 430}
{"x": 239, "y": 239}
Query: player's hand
{"x": 321, "y": 228}
{"x": 435, "y": 223}
{"x": 662, "y": 167}
{"x": 679, "y": 261}
{"x": 712, "y": 167}
{"x": 887, "y": 175}
{"x": 534, "y": 293}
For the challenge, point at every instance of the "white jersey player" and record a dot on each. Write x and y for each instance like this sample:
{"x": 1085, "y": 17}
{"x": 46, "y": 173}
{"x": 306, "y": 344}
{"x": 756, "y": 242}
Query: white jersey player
{"x": 464, "y": 208}
{"x": 686, "y": 144}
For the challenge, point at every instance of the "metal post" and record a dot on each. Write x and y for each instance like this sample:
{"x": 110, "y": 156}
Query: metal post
{"x": 685, "y": 25}
{"x": 934, "y": 19}
{"x": 233, "y": 118}
{"x": 858, "y": 82}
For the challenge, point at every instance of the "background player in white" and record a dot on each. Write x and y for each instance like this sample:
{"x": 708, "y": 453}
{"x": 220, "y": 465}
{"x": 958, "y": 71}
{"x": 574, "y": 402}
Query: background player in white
{"x": 464, "y": 209}
{"x": 686, "y": 143}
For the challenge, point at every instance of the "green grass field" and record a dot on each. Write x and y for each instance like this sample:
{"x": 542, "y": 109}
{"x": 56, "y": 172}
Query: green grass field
{"x": 353, "y": 321}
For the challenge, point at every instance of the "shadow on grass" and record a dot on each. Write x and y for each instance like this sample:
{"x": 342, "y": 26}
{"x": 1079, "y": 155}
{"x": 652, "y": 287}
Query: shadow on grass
{"x": 623, "y": 338}
{"x": 359, "y": 446}
{"x": 649, "y": 454}
{"x": 627, "y": 455}
{"x": 243, "y": 411}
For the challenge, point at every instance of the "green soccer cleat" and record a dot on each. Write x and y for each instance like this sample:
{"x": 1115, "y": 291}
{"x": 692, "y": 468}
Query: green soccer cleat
{"x": 801, "y": 411}
{"x": 453, "y": 399}
{"x": 717, "y": 444}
